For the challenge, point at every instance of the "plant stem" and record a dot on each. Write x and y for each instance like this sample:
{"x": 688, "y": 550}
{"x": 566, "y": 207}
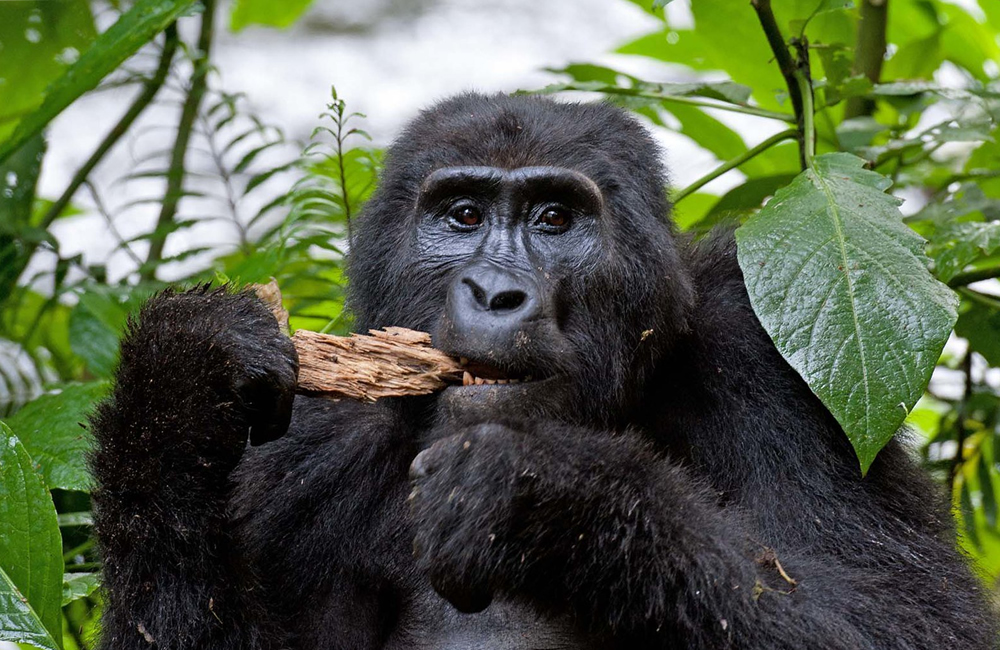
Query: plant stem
{"x": 735, "y": 162}
{"x": 786, "y": 64}
{"x": 343, "y": 174}
{"x": 808, "y": 132}
{"x": 706, "y": 103}
{"x": 968, "y": 277}
{"x": 869, "y": 53}
{"x": 185, "y": 127}
{"x": 961, "y": 431}
{"x": 149, "y": 91}
{"x": 986, "y": 301}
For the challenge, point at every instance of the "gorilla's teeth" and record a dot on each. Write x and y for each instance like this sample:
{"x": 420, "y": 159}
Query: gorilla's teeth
{"x": 528, "y": 378}
{"x": 479, "y": 381}
{"x": 489, "y": 381}
{"x": 512, "y": 381}
{"x": 501, "y": 381}
{"x": 467, "y": 378}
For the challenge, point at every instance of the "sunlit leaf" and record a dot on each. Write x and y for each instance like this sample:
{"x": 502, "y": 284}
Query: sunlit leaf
{"x": 266, "y": 12}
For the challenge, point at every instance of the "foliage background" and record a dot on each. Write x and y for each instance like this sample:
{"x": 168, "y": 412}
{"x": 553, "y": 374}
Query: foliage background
{"x": 825, "y": 250}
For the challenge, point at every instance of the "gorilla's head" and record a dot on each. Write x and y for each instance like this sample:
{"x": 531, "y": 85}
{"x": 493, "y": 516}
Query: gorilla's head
{"x": 532, "y": 238}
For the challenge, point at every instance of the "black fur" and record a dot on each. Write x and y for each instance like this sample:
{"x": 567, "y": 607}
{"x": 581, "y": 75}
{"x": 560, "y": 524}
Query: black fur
{"x": 673, "y": 483}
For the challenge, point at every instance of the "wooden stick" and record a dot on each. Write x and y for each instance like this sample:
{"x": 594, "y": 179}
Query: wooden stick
{"x": 393, "y": 362}
{"x": 388, "y": 363}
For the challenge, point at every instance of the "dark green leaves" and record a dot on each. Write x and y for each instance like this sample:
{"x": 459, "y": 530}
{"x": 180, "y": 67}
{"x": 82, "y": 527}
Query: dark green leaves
{"x": 51, "y": 428}
{"x": 31, "y": 567}
{"x": 842, "y": 286}
{"x": 134, "y": 29}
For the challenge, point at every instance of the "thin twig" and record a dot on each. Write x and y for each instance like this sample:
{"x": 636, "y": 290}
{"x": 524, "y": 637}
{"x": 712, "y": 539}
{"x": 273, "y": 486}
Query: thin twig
{"x": 185, "y": 126}
{"x": 227, "y": 182}
{"x": 735, "y": 162}
{"x": 786, "y": 64}
{"x": 122, "y": 243}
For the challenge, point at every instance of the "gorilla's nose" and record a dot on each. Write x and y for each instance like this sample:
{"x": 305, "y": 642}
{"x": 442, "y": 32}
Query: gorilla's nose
{"x": 489, "y": 301}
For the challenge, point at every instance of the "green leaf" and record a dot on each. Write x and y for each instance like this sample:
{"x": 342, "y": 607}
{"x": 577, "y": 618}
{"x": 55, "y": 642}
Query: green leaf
{"x": 266, "y": 12}
{"x": 957, "y": 245}
{"x": 50, "y": 428}
{"x": 842, "y": 286}
{"x": 988, "y": 494}
{"x": 31, "y": 564}
{"x": 134, "y": 29}
{"x": 95, "y": 325}
{"x": 78, "y": 585}
{"x": 38, "y": 41}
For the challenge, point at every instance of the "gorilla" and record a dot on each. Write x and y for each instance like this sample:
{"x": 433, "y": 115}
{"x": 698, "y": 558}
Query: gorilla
{"x": 630, "y": 463}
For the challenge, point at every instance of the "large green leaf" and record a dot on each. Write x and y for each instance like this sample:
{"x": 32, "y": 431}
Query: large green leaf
{"x": 266, "y": 12}
{"x": 842, "y": 286}
{"x": 134, "y": 29}
{"x": 31, "y": 565}
{"x": 51, "y": 428}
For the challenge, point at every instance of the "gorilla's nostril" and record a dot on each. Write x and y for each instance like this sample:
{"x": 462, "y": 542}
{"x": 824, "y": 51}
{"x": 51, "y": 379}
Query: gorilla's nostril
{"x": 477, "y": 292}
{"x": 507, "y": 300}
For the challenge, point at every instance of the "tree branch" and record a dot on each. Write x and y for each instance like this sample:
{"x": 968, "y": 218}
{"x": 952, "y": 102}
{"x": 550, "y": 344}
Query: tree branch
{"x": 786, "y": 64}
{"x": 149, "y": 91}
{"x": 869, "y": 53}
{"x": 185, "y": 127}
{"x": 735, "y": 162}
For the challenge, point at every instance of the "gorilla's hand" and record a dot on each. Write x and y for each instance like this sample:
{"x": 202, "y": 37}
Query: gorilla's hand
{"x": 465, "y": 498}
{"x": 215, "y": 352}
{"x": 519, "y": 510}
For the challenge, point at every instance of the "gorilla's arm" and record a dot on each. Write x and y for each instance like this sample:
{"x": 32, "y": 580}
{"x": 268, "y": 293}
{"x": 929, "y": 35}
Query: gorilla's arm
{"x": 198, "y": 371}
{"x": 633, "y": 546}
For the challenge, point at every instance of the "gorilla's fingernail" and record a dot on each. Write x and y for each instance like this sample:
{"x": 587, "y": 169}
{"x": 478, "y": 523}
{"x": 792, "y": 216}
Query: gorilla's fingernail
{"x": 419, "y": 467}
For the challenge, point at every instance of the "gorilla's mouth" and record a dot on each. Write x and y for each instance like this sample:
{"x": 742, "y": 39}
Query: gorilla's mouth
{"x": 480, "y": 374}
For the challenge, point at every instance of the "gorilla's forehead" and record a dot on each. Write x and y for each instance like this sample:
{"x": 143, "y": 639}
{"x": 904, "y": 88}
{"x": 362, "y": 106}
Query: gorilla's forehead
{"x": 516, "y": 132}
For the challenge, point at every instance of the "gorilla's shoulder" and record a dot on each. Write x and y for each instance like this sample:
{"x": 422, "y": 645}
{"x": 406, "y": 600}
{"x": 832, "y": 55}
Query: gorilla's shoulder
{"x": 711, "y": 261}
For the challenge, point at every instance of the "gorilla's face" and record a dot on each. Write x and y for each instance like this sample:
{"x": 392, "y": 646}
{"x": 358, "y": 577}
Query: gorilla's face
{"x": 512, "y": 241}
{"x": 530, "y": 238}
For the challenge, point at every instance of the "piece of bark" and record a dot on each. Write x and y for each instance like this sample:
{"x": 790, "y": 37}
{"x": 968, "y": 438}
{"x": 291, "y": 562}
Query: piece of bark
{"x": 391, "y": 362}
{"x": 270, "y": 295}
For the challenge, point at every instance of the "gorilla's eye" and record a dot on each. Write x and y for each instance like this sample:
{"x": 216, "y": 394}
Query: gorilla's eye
{"x": 554, "y": 219}
{"x": 465, "y": 216}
